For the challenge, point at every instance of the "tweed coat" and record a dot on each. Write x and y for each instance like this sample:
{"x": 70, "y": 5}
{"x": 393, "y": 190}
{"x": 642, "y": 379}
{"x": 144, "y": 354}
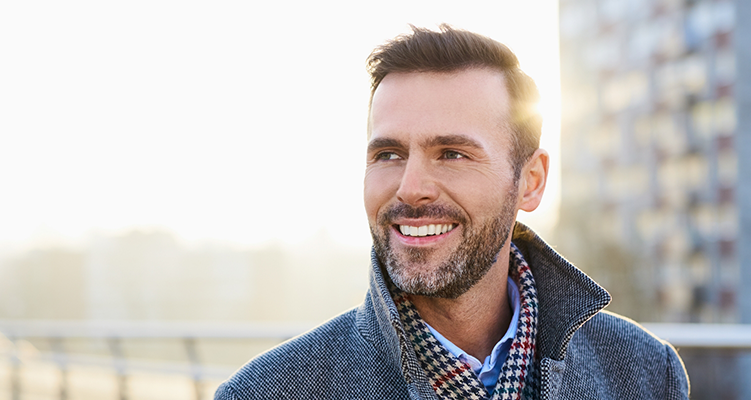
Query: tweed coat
{"x": 585, "y": 353}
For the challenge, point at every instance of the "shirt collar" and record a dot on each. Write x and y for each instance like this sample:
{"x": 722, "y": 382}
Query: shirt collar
{"x": 514, "y": 302}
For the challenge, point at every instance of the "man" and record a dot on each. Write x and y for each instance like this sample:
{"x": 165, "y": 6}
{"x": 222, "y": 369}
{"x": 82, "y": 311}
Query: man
{"x": 463, "y": 302}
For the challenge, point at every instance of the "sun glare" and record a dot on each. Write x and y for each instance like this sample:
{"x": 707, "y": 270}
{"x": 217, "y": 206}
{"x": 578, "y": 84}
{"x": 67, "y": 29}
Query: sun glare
{"x": 202, "y": 123}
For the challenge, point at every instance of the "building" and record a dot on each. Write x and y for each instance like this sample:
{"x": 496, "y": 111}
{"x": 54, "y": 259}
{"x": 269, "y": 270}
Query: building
{"x": 653, "y": 142}
{"x": 656, "y": 164}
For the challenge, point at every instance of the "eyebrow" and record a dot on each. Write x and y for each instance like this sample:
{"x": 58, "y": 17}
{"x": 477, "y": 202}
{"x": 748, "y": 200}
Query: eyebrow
{"x": 442, "y": 140}
{"x": 381, "y": 143}
{"x": 451, "y": 140}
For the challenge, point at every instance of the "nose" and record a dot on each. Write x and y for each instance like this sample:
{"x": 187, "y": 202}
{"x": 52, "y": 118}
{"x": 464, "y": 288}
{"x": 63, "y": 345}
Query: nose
{"x": 417, "y": 186}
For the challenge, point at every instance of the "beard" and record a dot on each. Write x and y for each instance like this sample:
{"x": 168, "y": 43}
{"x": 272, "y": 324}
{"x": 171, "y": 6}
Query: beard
{"x": 462, "y": 269}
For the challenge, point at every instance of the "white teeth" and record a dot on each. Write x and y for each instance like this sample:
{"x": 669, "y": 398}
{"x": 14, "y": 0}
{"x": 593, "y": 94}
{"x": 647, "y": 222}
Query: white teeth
{"x": 445, "y": 228}
{"x": 425, "y": 230}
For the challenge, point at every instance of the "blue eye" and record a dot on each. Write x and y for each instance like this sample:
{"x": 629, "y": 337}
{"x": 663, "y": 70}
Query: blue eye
{"x": 386, "y": 156}
{"x": 452, "y": 155}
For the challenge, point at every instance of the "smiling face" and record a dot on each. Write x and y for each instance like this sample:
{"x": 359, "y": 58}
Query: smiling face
{"x": 440, "y": 192}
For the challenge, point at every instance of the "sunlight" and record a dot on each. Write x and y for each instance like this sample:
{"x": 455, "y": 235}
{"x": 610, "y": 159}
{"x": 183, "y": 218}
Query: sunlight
{"x": 203, "y": 121}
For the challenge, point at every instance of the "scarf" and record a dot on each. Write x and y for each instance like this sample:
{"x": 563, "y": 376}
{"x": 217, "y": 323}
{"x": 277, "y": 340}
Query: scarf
{"x": 450, "y": 378}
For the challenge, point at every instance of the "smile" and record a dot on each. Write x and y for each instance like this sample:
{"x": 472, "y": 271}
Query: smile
{"x": 425, "y": 230}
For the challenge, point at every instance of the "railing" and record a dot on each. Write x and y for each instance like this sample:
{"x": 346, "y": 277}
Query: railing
{"x": 705, "y": 336}
{"x": 56, "y": 333}
{"x": 115, "y": 332}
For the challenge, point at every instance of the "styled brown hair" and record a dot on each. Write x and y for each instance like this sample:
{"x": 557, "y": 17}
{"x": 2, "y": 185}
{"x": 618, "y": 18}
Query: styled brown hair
{"x": 452, "y": 50}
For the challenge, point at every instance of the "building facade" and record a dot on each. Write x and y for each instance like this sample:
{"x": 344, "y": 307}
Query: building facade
{"x": 655, "y": 120}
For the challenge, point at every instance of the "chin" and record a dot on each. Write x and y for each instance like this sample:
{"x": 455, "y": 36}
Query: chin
{"x": 444, "y": 279}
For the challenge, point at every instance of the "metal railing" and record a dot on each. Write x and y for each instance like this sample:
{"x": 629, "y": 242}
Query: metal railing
{"x": 705, "y": 336}
{"x": 115, "y": 332}
{"x": 717, "y": 336}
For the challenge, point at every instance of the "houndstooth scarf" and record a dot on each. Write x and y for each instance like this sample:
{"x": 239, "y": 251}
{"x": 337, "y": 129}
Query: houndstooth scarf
{"x": 453, "y": 379}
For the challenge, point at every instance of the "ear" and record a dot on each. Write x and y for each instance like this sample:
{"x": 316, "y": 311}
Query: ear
{"x": 532, "y": 181}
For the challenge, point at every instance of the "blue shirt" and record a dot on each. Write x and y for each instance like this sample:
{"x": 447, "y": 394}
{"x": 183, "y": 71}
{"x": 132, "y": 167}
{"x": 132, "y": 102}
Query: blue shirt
{"x": 489, "y": 370}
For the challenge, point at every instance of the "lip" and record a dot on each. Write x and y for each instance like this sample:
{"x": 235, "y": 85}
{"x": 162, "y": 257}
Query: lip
{"x": 422, "y": 240}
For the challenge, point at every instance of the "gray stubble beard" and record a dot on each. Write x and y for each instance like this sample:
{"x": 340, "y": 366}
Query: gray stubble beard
{"x": 463, "y": 269}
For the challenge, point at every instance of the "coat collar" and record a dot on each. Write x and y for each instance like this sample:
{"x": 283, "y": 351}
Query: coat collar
{"x": 568, "y": 298}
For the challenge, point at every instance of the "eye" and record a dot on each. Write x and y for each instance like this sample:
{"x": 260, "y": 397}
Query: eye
{"x": 452, "y": 155}
{"x": 386, "y": 156}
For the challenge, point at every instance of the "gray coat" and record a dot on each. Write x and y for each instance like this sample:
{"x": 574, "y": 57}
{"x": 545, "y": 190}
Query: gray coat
{"x": 586, "y": 353}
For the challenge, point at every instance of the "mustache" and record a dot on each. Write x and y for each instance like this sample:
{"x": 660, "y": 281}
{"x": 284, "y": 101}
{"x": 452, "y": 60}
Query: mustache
{"x": 438, "y": 211}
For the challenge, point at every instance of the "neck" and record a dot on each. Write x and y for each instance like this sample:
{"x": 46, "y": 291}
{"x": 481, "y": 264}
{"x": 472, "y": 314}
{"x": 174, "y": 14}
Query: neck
{"x": 476, "y": 320}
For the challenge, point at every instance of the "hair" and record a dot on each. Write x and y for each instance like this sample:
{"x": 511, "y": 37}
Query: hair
{"x": 452, "y": 50}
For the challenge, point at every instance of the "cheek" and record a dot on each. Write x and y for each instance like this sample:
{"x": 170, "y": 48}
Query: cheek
{"x": 480, "y": 193}
{"x": 380, "y": 188}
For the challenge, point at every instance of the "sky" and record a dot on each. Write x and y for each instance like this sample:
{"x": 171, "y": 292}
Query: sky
{"x": 225, "y": 121}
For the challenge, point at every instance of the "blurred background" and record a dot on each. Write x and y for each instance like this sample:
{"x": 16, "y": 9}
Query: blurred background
{"x": 181, "y": 182}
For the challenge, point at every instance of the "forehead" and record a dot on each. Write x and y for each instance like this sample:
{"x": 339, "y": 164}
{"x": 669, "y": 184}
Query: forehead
{"x": 472, "y": 101}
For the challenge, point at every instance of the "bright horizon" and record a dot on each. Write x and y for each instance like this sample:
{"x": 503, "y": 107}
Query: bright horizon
{"x": 221, "y": 122}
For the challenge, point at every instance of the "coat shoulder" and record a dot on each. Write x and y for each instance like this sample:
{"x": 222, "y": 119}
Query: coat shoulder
{"x": 331, "y": 360}
{"x": 613, "y": 328}
{"x": 618, "y": 350}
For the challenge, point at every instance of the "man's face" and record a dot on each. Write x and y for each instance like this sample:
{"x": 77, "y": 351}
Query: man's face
{"x": 440, "y": 192}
